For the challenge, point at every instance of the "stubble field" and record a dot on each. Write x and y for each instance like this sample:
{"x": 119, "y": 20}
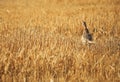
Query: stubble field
{"x": 40, "y": 41}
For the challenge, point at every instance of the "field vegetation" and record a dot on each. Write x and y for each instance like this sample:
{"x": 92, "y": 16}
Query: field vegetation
{"x": 40, "y": 41}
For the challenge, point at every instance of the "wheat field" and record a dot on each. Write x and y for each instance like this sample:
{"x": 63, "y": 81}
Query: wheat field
{"x": 40, "y": 41}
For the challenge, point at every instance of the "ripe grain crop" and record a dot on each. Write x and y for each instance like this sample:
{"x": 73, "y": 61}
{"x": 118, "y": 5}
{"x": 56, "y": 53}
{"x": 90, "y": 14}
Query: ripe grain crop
{"x": 40, "y": 41}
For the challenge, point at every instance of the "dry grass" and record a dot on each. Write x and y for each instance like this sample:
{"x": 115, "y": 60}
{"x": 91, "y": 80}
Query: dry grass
{"x": 40, "y": 41}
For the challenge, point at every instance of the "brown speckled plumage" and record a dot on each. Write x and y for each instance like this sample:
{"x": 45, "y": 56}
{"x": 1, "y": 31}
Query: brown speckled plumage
{"x": 86, "y": 36}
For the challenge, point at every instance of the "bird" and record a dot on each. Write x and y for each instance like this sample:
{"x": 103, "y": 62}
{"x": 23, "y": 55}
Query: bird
{"x": 86, "y": 37}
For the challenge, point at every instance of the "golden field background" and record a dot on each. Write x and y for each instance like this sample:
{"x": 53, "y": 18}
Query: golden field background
{"x": 40, "y": 41}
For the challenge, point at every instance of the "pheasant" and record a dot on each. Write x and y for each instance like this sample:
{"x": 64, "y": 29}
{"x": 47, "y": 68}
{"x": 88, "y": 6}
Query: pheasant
{"x": 86, "y": 36}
